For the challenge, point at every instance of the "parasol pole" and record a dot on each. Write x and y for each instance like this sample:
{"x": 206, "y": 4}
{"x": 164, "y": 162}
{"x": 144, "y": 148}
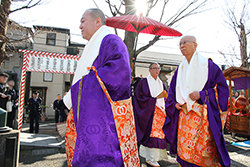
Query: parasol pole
{"x": 138, "y": 29}
{"x": 133, "y": 59}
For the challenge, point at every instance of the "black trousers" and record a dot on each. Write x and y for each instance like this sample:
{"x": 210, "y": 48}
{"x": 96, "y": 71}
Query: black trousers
{"x": 63, "y": 116}
{"x": 57, "y": 116}
{"x": 34, "y": 116}
{"x": 11, "y": 117}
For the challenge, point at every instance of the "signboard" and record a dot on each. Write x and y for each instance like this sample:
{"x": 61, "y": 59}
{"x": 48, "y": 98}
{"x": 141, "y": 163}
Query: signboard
{"x": 36, "y": 61}
{"x": 65, "y": 64}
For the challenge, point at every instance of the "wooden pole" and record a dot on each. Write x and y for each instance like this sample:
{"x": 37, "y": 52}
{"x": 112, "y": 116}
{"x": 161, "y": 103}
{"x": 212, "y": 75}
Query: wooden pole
{"x": 230, "y": 96}
{"x": 247, "y": 108}
{"x": 247, "y": 102}
{"x": 231, "y": 103}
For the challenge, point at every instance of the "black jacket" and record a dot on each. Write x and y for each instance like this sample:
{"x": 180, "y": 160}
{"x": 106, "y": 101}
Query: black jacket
{"x": 63, "y": 109}
{"x": 14, "y": 96}
{"x": 56, "y": 105}
{"x": 35, "y": 106}
{"x": 3, "y": 90}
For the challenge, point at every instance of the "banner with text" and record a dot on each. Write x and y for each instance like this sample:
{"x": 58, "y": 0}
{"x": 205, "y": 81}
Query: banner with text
{"x": 52, "y": 64}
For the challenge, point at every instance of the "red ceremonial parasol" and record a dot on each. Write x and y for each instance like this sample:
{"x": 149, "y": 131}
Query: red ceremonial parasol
{"x": 141, "y": 24}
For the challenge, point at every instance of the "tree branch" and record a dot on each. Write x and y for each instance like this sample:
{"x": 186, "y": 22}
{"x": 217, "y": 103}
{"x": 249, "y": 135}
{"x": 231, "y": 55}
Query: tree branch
{"x": 178, "y": 17}
{"x": 163, "y": 9}
{"x": 110, "y": 8}
{"x": 118, "y": 11}
{"x": 178, "y": 14}
{"x": 95, "y": 3}
{"x": 150, "y": 43}
{"x": 151, "y": 4}
{"x": 26, "y": 6}
{"x": 113, "y": 9}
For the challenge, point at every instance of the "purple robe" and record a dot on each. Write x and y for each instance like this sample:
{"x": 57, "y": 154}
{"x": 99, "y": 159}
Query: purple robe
{"x": 215, "y": 76}
{"x": 144, "y": 107}
{"x": 97, "y": 142}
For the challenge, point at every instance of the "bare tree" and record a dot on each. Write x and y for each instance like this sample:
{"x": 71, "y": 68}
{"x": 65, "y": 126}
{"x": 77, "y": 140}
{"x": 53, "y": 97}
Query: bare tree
{"x": 127, "y": 7}
{"x": 4, "y": 19}
{"x": 238, "y": 21}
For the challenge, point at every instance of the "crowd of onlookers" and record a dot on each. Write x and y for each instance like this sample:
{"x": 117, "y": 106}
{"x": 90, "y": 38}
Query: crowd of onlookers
{"x": 9, "y": 102}
{"x": 35, "y": 109}
{"x": 61, "y": 111}
{"x": 8, "y": 98}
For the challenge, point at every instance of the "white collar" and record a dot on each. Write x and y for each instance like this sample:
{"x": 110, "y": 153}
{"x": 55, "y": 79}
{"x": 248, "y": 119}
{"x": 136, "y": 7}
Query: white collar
{"x": 191, "y": 77}
{"x": 155, "y": 88}
{"x": 90, "y": 53}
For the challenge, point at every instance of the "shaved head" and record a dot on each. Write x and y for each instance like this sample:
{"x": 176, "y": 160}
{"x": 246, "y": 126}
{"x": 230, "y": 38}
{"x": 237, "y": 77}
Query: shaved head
{"x": 95, "y": 13}
{"x": 189, "y": 37}
{"x": 188, "y": 46}
{"x": 91, "y": 21}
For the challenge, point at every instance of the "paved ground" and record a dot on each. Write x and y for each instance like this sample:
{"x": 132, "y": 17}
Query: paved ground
{"x": 240, "y": 156}
{"x": 46, "y": 149}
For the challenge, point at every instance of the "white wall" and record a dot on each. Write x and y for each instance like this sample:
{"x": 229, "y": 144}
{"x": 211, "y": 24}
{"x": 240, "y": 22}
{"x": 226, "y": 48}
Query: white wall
{"x": 59, "y": 47}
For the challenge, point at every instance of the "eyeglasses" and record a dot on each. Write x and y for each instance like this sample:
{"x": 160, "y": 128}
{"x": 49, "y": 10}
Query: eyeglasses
{"x": 156, "y": 68}
{"x": 184, "y": 42}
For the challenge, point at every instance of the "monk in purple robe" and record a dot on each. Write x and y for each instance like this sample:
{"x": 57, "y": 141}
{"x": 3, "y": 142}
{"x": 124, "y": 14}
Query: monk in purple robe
{"x": 197, "y": 81}
{"x": 97, "y": 143}
{"x": 150, "y": 115}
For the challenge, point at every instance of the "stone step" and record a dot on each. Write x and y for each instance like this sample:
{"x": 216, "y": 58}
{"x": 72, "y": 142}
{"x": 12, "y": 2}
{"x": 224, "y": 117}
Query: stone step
{"x": 41, "y": 151}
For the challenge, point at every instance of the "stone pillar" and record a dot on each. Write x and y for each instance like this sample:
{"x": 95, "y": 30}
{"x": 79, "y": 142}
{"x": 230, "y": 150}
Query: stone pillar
{"x": 9, "y": 148}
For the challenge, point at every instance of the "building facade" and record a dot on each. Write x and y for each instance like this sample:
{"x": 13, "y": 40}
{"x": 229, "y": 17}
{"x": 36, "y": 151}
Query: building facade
{"x": 54, "y": 40}
{"x": 45, "y": 39}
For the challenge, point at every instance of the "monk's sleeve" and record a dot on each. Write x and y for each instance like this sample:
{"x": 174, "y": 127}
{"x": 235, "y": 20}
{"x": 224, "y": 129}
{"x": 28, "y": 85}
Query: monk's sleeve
{"x": 223, "y": 91}
{"x": 216, "y": 77}
{"x": 144, "y": 106}
{"x": 114, "y": 69}
{"x": 171, "y": 100}
{"x": 171, "y": 125}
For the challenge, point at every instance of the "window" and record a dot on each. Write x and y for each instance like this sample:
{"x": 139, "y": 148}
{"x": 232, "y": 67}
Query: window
{"x": 51, "y": 39}
{"x": 47, "y": 77}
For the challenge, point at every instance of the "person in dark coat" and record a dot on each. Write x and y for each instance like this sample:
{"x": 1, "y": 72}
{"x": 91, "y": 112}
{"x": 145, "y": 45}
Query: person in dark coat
{"x": 4, "y": 96}
{"x": 56, "y": 107}
{"x": 14, "y": 99}
{"x": 35, "y": 107}
{"x": 63, "y": 110}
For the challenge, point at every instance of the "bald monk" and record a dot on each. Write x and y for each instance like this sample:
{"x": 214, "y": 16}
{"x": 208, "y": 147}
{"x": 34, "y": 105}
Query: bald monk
{"x": 91, "y": 139}
{"x": 197, "y": 141}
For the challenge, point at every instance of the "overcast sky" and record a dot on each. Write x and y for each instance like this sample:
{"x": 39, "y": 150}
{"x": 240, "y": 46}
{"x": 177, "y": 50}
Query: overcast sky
{"x": 209, "y": 27}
